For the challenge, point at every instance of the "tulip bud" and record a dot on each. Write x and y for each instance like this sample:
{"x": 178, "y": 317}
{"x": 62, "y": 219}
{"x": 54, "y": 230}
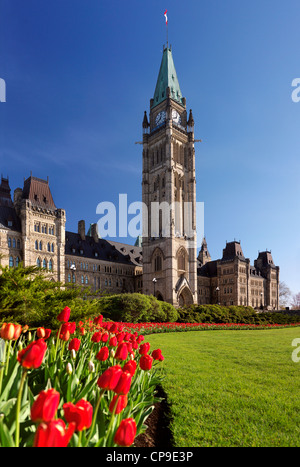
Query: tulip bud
{"x": 91, "y": 366}
{"x": 73, "y": 354}
{"x": 112, "y": 353}
{"x": 69, "y": 368}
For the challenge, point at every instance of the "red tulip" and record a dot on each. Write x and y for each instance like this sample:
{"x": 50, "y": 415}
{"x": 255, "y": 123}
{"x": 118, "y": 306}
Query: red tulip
{"x": 18, "y": 330}
{"x": 53, "y": 434}
{"x": 64, "y": 315}
{"x": 110, "y": 377}
{"x": 122, "y": 351}
{"x": 126, "y": 432}
{"x": 7, "y": 331}
{"x": 124, "y": 383}
{"x": 144, "y": 348}
{"x": 74, "y": 344}
{"x": 120, "y": 401}
{"x": 130, "y": 366}
{"x": 41, "y": 333}
{"x": 146, "y": 362}
{"x": 32, "y": 356}
{"x": 104, "y": 337}
{"x": 103, "y": 354}
{"x": 156, "y": 354}
{"x": 45, "y": 406}
{"x": 96, "y": 337}
{"x": 80, "y": 413}
{"x": 113, "y": 341}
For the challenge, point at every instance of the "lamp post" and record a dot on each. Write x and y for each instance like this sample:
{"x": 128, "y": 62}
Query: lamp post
{"x": 154, "y": 280}
{"x": 261, "y": 301}
{"x": 217, "y": 290}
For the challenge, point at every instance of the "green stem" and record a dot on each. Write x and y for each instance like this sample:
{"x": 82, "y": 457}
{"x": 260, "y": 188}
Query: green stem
{"x": 8, "y": 354}
{"x": 109, "y": 434}
{"x": 95, "y": 417}
{"x": 18, "y": 407}
{"x": 2, "y": 365}
{"x": 57, "y": 340}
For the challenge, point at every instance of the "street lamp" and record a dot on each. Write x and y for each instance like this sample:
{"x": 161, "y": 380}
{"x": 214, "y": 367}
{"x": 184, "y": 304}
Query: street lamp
{"x": 154, "y": 280}
{"x": 217, "y": 290}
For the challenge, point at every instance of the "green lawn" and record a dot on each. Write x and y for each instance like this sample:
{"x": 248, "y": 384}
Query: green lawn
{"x": 232, "y": 388}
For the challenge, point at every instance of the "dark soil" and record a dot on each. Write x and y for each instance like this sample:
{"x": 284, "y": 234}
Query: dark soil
{"x": 158, "y": 433}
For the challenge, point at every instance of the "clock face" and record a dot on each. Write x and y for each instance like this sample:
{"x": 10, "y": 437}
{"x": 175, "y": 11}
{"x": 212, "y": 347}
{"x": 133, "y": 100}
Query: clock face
{"x": 176, "y": 117}
{"x": 160, "y": 118}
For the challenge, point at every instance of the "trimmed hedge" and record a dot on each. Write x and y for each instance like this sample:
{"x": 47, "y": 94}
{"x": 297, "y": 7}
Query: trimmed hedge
{"x": 231, "y": 314}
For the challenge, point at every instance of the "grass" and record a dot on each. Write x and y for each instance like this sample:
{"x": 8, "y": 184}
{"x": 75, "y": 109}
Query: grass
{"x": 232, "y": 388}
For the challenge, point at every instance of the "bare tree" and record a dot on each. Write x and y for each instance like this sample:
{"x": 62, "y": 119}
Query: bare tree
{"x": 296, "y": 301}
{"x": 285, "y": 294}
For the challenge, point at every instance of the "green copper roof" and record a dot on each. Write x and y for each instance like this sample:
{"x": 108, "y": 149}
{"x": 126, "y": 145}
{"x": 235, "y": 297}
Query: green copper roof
{"x": 167, "y": 77}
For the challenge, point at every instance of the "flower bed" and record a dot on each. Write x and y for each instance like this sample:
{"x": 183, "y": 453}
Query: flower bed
{"x": 151, "y": 328}
{"x": 88, "y": 384}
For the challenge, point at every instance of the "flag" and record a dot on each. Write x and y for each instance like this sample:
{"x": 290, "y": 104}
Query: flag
{"x": 165, "y": 15}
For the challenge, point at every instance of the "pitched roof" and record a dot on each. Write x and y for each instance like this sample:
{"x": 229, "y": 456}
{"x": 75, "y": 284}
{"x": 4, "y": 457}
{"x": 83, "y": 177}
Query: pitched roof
{"x": 167, "y": 78}
{"x": 105, "y": 250}
{"x": 38, "y": 192}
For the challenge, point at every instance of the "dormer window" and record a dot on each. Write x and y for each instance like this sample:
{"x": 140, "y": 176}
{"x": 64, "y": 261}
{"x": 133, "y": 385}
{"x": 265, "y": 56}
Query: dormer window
{"x": 9, "y": 223}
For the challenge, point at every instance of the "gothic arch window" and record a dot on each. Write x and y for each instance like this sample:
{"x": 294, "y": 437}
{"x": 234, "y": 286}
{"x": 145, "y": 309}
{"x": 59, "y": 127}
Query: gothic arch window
{"x": 50, "y": 265}
{"x": 82, "y": 279}
{"x": 44, "y": 263}
{"x": 157, "y": 260}
{"x": 52, "y": 247}
{"x": 14, "y": 243}
{"x": 38, "y": 262}
{"x": 69, "y": 277}
{"x": 40, "y": 246}
{"x": 36, "y": 244}
{"x": 48, "y": 246}
{"x": 9, "y": 242}
{"x": 11, "y": 262}
{"x": 17, "y": 261}
{"x": 86, "y": 280}
{"x": 182, "y": 258}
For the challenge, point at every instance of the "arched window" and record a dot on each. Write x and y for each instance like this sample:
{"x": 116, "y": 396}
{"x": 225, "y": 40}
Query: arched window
{"x": 82, "y": 279}
{"x": 14, "y": 243}
{"x": 50, "y": 265}
{"x": 44, "y": 263}
{"x": 9, "y": 242}
{"x": 38, "y": 263}
{"x": 36, "y": 245}
{"x": 18, "y": 244}
{"x": 182, "y": 261}
{"x": 158, "y": 263}
{"x": 52, "y": 247}
{"x": 48, "y": 246}
{"x": 11, "y": 262}
{"x": 40, "y": 246}
{"x": 69, "y": 277}
{"x": 86, "y": 280}
{"x": 17, "y": 261}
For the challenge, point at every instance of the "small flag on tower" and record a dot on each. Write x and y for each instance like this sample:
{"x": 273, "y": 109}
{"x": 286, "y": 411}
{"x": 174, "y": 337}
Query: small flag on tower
{"x": 165, "y": 15}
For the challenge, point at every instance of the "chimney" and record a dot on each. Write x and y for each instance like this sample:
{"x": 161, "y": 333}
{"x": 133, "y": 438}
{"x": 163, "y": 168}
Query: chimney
{"x": 81, "y": 229}
{"x": 94, "y": 232}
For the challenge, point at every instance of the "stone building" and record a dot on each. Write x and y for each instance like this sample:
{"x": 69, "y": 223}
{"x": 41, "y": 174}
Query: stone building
{"x": 232, "y": 280}
{"x": 164, "y": 261}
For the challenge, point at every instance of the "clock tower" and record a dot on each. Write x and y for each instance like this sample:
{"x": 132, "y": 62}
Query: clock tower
{"x": 169, "y": 193}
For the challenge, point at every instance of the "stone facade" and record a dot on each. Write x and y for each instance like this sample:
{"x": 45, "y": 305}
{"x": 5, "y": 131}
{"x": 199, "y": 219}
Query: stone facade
{"x": 232, "y": 280}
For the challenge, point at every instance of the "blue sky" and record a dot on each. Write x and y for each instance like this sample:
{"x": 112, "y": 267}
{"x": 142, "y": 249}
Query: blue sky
{"x": 80, "y": 74}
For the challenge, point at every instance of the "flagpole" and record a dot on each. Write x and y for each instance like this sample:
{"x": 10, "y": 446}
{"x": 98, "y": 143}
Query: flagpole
{"x": 166, "y": 18}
